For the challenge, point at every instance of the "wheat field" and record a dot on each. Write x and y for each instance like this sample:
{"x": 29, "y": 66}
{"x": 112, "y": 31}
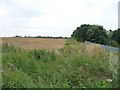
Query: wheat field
{"x": 34, "y": 43}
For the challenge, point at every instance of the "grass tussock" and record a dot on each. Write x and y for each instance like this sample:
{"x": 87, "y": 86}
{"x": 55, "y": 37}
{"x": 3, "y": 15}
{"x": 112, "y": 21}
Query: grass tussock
{"x": 71, "y": 67}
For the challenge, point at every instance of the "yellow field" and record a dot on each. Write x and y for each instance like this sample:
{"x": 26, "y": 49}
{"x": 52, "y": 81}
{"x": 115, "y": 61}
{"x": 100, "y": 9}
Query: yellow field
{"x": 34, "y": 43}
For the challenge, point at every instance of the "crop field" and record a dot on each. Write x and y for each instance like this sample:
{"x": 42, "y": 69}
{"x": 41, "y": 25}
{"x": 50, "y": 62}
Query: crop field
{"x": 77, "y": 65}
{"x": 35, "y": 43}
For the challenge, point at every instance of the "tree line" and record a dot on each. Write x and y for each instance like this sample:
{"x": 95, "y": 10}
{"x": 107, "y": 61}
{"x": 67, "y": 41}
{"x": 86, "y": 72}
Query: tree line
{"x": 93, "y": 33}
{"x": 59, "y": 37}
{"x": 97, "y": 34}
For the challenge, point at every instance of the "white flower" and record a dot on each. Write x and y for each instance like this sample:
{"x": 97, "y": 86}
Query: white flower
{"x": 86, "y": 64}
{"x": 109, "y": 80}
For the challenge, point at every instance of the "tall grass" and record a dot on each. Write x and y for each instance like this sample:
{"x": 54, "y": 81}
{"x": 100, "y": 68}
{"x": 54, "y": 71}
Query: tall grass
{"x": 72, "y": 67}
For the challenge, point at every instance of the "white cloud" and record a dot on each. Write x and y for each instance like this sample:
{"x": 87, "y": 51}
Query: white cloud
{"x": 2, "y": 12}
{"x": 46, "y": 17}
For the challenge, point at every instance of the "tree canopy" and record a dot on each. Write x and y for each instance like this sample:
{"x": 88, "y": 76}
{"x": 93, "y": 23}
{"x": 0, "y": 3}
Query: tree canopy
{"x": 92, "y": 33}
{"x": 116, "y": 35}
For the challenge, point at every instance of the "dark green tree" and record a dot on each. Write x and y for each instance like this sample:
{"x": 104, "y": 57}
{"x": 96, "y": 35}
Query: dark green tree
{"x": 80, "y": 33}
{"x": 116, "y": 35}
{"x": 92, "y": 33}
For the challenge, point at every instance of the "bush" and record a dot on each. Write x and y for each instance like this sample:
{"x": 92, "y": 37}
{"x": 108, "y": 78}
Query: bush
{"x": 114, "y": 43}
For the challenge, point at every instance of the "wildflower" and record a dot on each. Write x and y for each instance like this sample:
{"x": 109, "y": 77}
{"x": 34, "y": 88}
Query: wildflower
{"x": 86, "y": 64}
{"x": 109, "y": 80}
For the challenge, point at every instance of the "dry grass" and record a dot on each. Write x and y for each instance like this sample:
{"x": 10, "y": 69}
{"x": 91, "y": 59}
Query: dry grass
{"x": 93, "y": 49}
{"x": 35, "y": 43}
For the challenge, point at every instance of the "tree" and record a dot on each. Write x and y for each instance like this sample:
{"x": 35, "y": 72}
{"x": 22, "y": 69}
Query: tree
{"x": 80, "y": 33}
{"x": 92, "y": 33}
{"x": 116, "y": 35}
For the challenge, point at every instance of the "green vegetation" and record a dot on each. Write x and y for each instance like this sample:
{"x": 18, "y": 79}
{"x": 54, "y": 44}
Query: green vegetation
{"x": 59, "y": 37}
{"x": 70, "y": 67}
{"x": 97, "y": 34}
{"x": 116, "y": 35}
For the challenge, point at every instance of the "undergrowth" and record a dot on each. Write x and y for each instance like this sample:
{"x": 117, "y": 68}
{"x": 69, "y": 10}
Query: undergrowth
{"x": 72, "y": 67}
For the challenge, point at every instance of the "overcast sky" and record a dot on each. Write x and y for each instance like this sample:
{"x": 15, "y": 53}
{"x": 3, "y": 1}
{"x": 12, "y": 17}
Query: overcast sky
{"x": 55, "y": 17}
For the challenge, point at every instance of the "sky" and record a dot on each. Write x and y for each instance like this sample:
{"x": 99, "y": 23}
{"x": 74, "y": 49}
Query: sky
{"x": 55, "y": 17}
